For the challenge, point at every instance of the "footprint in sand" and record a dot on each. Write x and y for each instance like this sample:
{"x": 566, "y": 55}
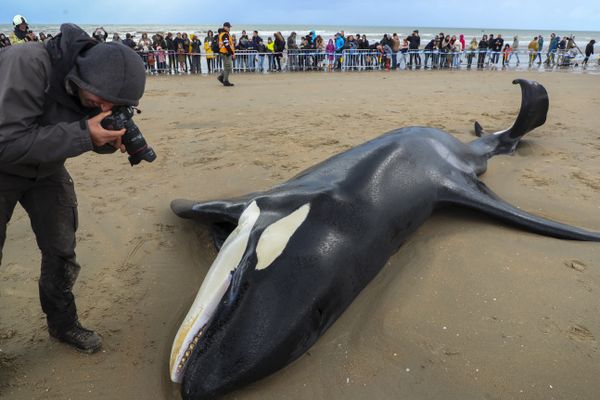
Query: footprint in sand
{"x": 590, "y": 182}
{"x": 538, "y": 181}
{"x": 580, "y": 333}
{"x": 577, "y": 265}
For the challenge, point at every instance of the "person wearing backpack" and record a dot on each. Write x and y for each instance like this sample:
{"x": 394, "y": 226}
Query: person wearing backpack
{"x": 215, "y": 48}
{"x": 227, "y": 53}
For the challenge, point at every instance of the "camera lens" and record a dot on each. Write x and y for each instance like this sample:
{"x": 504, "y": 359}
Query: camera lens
{"x": 134, "y": 142}
{"x": 136, "y": 145}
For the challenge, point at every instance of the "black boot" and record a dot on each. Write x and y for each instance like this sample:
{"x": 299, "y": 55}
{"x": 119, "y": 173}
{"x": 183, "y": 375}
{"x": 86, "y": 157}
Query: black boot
{"x": 227, "y": 83}
{"x": 220, "y": 79}
{"x": 82, "y": 339}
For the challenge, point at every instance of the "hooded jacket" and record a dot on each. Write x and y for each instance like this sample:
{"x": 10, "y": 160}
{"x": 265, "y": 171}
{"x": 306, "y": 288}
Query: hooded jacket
{"x": 42, "y": 122}
{"x": 18, "y": 36}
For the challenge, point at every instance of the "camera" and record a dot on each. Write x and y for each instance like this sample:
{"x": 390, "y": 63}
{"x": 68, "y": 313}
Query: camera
{"x": 137, "y": 148}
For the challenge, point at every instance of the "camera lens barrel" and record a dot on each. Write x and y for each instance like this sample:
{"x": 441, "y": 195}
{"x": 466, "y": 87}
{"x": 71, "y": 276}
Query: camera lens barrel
{"x": 134, "y": 141}
{"x": 136, "y": 145}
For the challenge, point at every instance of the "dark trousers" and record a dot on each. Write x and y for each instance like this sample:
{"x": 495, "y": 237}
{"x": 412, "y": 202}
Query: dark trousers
{"x": 480, "y": 59}
{"x": 52, "y": 207}
{"x": 173, "y": 65}
{"x": 227, "y": 66}
{"x": 196, "y": 69}
{"x": 277, "y": 63}
{"x": 415, "y": 57}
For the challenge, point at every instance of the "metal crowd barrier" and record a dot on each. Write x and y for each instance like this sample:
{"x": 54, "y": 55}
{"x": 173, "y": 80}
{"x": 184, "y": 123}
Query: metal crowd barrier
{"x": 306, "y": 60}
{"x": 360, "y": 59}
{"x": 251, "y": 61}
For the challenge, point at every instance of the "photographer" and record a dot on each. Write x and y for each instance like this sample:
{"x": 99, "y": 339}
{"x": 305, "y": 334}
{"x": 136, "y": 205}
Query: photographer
{"x": 53, "y": 97}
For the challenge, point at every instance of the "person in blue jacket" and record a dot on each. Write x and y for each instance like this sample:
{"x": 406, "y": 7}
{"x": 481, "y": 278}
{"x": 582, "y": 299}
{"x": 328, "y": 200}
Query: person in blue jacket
{"x": 340, "y": 43}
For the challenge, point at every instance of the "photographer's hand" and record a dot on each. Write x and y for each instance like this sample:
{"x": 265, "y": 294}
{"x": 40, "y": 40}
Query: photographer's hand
{"x": 101, "y": 136}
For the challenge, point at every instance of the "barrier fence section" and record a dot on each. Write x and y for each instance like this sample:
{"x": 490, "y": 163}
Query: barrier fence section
{"x": 251, "y": 61}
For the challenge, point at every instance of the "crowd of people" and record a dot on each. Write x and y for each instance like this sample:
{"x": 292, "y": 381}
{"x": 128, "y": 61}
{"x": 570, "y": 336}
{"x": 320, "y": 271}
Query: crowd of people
{"x": 180, "y": 53}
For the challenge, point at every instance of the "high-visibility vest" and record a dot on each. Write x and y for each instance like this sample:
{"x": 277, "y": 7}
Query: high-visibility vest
{"x": 225, "y": 42}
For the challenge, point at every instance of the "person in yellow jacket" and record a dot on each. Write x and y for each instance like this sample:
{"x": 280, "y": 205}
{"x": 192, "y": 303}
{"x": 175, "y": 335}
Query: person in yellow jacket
{"x": 210, "y": 56}
{"x": 19, "y": 34}
{"x": 270, "y": 52}
{"x": 533, "y": 49}
{"x": 227, "y": 53}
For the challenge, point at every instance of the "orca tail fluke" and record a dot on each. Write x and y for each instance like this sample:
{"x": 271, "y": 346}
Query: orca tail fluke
{"x": 478, "y": 196}
{"x": 532, "y": 114}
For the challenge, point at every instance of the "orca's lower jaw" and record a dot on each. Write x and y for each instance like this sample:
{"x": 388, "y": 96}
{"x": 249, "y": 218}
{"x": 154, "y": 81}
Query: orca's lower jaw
{"x": 193, "y": 332}
{"x": 203, "y": 376}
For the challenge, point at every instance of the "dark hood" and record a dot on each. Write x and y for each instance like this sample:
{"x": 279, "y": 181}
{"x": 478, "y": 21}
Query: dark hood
{"x": 111, "y": 71}
{"x": 19, "y": 33}
{"x": 64, "y": 48}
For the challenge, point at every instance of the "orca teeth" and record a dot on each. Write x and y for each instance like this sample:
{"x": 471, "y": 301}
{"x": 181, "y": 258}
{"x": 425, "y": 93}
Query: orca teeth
{"x": 188, "y": 352}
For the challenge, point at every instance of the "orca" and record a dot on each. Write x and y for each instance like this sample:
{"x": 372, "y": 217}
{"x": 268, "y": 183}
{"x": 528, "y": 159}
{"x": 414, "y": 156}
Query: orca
{"x": 294, "y": 257}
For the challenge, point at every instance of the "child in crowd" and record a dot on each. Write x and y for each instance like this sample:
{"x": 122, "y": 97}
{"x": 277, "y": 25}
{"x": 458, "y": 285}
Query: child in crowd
{"x": 181, "y": 56}
{"x": 330, "y": 50}
{"x": 161, "y": 58}
{"x": 506, "y": 54}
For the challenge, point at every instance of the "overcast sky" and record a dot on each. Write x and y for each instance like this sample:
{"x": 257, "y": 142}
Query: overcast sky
{"x": 543, "y": 14}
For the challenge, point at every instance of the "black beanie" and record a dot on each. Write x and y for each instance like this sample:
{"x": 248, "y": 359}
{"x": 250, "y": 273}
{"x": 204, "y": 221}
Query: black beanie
{"x": 111, "y": 71}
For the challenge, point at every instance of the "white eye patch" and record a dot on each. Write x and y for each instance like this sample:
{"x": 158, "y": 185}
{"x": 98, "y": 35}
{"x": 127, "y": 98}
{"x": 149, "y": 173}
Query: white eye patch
{"x": 276, "y": 236}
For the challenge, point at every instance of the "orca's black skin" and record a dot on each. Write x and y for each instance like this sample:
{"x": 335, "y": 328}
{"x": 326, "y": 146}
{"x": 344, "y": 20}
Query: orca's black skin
{"x": 364, "y": 203}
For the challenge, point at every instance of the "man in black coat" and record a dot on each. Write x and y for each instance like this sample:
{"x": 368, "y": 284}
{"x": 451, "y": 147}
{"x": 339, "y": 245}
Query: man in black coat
{"x": 414, "y": 42}
{"x": 172, "y": 50}
{"x": 497, "y": 48}
{"x": 53, "y": 97}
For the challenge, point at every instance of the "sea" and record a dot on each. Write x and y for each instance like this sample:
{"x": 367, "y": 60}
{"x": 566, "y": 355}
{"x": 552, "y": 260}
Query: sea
{"x": 373, "y": 33}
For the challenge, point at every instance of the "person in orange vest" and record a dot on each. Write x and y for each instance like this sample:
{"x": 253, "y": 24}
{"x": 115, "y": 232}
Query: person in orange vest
{"x": 227, "y": 52}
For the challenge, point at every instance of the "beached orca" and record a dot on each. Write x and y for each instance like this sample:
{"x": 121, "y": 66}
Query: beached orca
{"x": 293, "y": 258}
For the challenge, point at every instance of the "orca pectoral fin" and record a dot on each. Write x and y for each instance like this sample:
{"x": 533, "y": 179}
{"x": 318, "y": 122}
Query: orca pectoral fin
{"x": 221, "y": 215}
{"x": 213, "y": 211}
{"x": 475, "y": 194}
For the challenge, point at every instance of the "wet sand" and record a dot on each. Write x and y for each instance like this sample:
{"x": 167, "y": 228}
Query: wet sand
{"x": 468, "y": 308}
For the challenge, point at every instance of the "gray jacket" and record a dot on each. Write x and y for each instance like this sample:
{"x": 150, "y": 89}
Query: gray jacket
{"x": 37, "y": 133}
{"x": 42, "y": 122}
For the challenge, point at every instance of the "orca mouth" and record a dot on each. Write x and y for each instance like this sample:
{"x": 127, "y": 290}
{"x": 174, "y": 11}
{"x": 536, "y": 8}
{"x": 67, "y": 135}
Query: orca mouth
{"x": 216, "y": 284}
{"x": 187, "y": 354}
{"x": 193, "y": 331}
{"x": 225, "y": 283}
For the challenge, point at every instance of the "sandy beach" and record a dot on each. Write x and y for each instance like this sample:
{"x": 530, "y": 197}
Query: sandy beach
{"x": 468, "y": 308}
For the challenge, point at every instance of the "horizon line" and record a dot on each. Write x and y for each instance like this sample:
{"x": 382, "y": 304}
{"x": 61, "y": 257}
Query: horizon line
{"x": 337, "y": 26}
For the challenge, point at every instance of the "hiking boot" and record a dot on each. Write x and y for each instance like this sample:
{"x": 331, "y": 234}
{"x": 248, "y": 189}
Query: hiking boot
{"x": 82, "y": 339}
{"x": 227, "y": 83}
{"x": 220, "y": 79}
